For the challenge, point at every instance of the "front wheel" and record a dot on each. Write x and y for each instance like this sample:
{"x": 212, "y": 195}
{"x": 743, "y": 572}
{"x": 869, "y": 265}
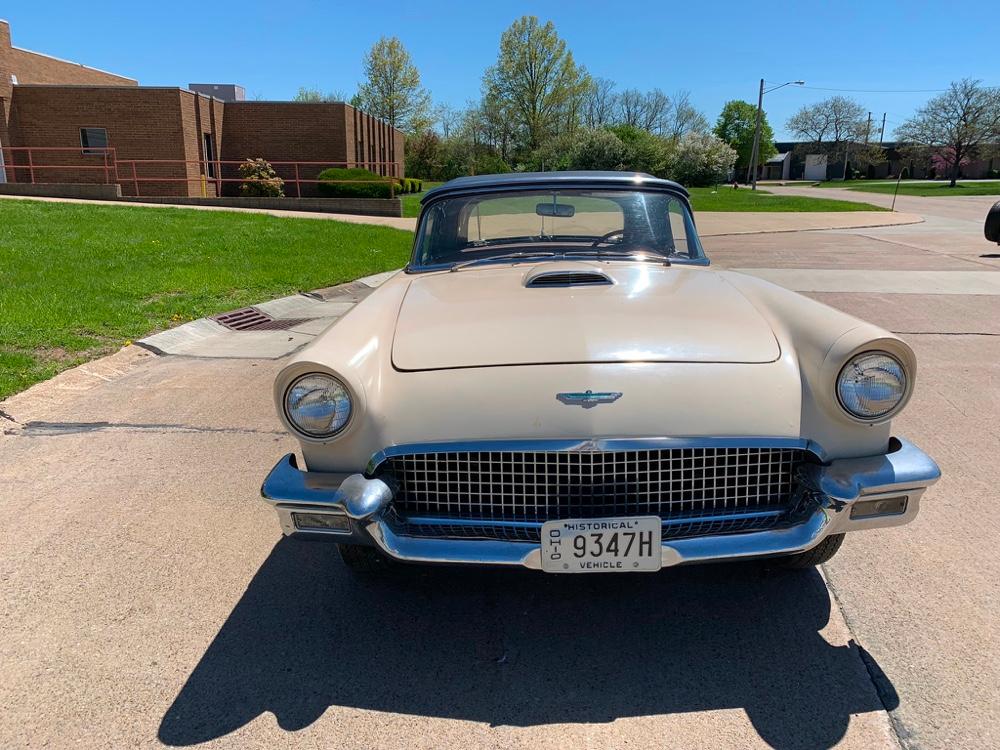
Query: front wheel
{"x": 363, "y": 561}
{"x": 816, "y": 556}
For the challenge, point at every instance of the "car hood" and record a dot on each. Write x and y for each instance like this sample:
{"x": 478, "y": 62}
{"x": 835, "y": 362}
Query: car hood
{"x": 483, "y": 317}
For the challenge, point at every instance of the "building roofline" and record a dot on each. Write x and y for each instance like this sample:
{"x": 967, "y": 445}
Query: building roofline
{"x": 281, "y": 101}
{"x": 71, "y": 62}
{"x": 114, "y": 87}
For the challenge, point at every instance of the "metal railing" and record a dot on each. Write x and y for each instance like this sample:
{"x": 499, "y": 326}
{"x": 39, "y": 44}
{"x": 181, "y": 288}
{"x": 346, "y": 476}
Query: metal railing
{"x": 35, "y": 169}
{"x": 24, "y": 162}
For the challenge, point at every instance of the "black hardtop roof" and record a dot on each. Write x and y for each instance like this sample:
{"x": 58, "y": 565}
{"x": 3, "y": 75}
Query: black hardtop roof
{"x": 543, "y": 180}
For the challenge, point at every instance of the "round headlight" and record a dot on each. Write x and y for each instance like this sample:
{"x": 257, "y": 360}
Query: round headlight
{"x": 318, "y": 405}
{"x": 871, "y": 385}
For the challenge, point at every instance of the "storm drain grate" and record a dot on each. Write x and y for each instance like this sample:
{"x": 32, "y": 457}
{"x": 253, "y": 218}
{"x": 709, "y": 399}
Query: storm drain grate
{"x": 252, "y": 319}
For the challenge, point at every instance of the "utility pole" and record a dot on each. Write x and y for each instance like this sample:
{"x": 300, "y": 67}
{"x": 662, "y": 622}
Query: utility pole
{"x": 752, "y": 168}
{"x": 754, "y": 154}
{"x": 881, "y": 133}
{"x": 868, "y": 128}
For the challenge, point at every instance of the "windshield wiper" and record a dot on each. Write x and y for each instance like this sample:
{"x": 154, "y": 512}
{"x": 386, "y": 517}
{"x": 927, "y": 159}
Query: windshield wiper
{"x": 598, "y": 253}
{"x": 505, "y": 256}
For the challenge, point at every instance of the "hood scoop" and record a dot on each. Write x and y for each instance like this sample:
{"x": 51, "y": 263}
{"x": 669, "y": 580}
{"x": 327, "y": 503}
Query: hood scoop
{"x": 543, "y": 279}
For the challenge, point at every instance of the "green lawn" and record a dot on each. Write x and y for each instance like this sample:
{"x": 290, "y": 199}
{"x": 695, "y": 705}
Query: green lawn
{"x": 78, "y": 281}
{"x": 936, "y": 189}
{"x": 411, "y": 201}
{"x": 724, "y": 198}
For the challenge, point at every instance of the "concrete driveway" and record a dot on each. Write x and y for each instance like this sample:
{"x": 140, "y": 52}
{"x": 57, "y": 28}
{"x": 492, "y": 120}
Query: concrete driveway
{"x": 148, "y": 600}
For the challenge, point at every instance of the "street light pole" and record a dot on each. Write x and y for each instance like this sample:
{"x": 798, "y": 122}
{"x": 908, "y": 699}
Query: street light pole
{"x": 756, "y": 140}
{"x": 755, "y": 152}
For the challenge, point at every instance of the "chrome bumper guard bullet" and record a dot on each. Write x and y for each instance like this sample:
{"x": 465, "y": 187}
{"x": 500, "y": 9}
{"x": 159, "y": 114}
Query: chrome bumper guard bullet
{"x": 845, "y": 495}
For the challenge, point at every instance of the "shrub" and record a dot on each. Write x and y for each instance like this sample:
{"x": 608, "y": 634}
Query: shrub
{"x": 260, "y": 180}
{"x": 598, "y": 149}
{"x": 701, "y": 160}
{"x": 552, "y": 156}
{"x": 487, "y": 163}
{"x": 644, "y": 152}
{"x": 353, "y": 183}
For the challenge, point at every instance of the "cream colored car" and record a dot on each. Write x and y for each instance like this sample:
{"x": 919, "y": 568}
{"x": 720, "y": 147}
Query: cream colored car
{"x": 558, "y": 380}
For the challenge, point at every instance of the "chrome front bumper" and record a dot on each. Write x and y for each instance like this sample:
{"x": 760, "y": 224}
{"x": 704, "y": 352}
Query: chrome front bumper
{"x": 848, "y": 495}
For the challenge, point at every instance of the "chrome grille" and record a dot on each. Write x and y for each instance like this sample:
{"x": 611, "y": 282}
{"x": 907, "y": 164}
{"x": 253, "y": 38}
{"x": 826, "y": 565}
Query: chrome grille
{"x": 696, "y": 491}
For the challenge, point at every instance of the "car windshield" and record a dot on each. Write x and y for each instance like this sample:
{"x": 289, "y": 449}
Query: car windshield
{"x": 554, "y": 223}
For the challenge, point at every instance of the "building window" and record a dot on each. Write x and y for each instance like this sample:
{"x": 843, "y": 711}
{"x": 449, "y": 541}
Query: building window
{"x": 209, "y": 156}
{"x": 94, "y": 141}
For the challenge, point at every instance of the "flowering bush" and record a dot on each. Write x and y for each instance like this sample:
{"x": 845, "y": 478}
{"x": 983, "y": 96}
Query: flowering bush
{"x": 260, "y": 180}
{"x": 701, "y": 160}
{"x": 943, "y": 161}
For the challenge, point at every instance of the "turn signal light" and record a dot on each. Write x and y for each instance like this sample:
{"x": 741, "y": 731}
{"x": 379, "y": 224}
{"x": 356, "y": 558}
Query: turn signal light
{"x": 322, "y": 521}
{"x": 891, "y": 506}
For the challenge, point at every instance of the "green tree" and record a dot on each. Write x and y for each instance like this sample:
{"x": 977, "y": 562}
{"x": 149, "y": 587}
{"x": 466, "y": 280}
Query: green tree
{"x": 536, "y": 79}
{"x": 736, "y": 125}
{"x": 598, "y": 149}
{"x": 315, "y": 95}
{"x": 644, "y": 152}
{"x": 956, "y": 124}
{"x": 391, "y": 90}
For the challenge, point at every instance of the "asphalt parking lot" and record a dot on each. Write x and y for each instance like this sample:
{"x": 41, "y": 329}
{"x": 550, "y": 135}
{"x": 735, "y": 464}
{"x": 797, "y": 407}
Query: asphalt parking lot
{"x": 148, "y": 600}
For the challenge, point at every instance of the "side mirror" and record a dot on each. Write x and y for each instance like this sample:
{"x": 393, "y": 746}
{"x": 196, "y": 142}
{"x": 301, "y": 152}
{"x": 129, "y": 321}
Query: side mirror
{"x": 992, "y": 228}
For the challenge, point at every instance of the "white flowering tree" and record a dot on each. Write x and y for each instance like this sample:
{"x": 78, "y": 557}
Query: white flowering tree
{"x": 701, "y": 159}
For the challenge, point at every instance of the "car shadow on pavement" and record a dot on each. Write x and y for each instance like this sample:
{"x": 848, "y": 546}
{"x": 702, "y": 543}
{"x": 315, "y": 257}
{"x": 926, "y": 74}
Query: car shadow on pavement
{"x": 521, "y": 648}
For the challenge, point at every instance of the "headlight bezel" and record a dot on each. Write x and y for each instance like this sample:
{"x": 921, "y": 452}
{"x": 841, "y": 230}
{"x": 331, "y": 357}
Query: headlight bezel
{"x": 907, "y": 382}
{"x": 297, "y": 428}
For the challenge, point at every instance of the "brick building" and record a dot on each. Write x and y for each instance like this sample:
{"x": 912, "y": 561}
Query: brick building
{"x": 85, "y": 125}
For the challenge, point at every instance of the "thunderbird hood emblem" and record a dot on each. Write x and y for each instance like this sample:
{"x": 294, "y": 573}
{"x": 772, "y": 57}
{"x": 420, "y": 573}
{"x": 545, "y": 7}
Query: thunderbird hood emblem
{"x": 587, "y": 399}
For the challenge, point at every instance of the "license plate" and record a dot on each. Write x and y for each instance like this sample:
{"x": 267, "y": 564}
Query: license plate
{"x": 601, "y": 545}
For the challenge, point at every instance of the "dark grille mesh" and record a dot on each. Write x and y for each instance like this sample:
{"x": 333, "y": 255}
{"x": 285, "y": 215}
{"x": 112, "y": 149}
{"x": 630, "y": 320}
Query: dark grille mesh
{"x": 695, "y": 491}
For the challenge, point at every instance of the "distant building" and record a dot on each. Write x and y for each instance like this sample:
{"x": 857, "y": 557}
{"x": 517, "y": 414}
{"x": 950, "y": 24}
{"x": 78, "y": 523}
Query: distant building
{"x": 799, "y": 164}
{"x": 227, "y": 92}
{"x": 84, "y": 125}
{"x": 778, "y": 167}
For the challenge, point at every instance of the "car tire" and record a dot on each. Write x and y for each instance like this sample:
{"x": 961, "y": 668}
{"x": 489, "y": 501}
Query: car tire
{"x": 816, "y": 556}
{"x": 363, "y": 561}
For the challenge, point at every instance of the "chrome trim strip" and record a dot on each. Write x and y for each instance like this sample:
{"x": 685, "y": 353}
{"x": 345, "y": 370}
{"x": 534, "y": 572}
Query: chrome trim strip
{"x": 442, "y": 521}
{"x": 590, "y": 445}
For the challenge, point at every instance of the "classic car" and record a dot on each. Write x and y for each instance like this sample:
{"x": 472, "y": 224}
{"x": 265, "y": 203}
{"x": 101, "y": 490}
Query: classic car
{"x": 559, "y": 380}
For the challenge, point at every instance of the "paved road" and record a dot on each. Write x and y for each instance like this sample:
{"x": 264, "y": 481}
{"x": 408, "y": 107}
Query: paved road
{"x": 147, "y": 598}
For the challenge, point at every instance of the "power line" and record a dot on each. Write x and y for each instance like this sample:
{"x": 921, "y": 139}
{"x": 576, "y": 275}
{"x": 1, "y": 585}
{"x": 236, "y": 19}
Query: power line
{"x": 876, "y": 91}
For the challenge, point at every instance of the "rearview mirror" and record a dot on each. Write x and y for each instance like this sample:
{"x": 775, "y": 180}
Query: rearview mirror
{"x": 992, "y": 228}
{"x": 555, "y": 209}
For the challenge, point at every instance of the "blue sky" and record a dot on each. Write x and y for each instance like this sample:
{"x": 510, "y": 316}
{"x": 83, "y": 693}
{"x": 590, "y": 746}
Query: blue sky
{"x": 273, "y": 48}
